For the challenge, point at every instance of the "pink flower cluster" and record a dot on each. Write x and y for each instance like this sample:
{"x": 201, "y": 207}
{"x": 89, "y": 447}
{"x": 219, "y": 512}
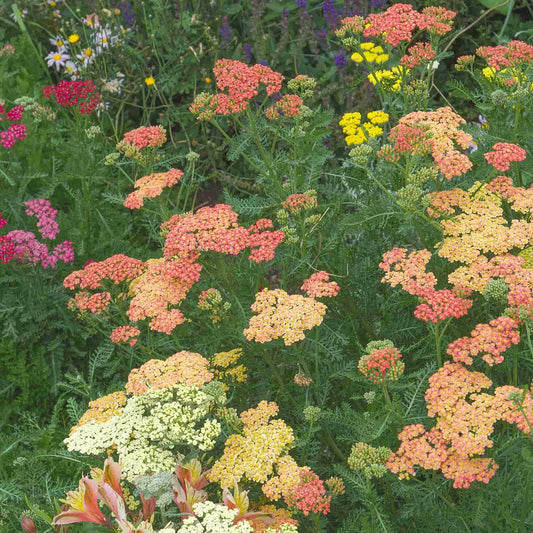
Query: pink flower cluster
{"x": 24, "y": 246}
{"x": 319, "y": 286}
{"x": 216, "y": 229}
{"x": 46, "y": 217}
{"x": 151, "y": 136}
{"x": 126, "y": 334}
{"x": 15, "y": 131}
{"x": 81, "y": 95}
{"x": 309, "y": 495}
{"x": 503, "y": 154}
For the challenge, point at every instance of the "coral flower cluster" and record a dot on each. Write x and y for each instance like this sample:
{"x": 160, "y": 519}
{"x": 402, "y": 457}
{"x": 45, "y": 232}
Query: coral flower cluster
{"x": 382, "y": 365}
{"x": 216, "y": 229}
{"x": 503, "y": 154}
{"x": 434, "y": 133}
{"x": 151, "y": 186}
{"x": 319, "y": 286}
{"x": 296, "y": 202}
{"x": 397, "y": 24}
{"x": 146, "y": 136}
{"x": 15, "y": 131}
{"x": 513, "y": 55}
{"x": 81, "y": 95}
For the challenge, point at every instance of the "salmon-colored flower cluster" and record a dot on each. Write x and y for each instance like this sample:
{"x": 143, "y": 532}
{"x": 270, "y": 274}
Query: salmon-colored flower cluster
{"x": 465, "y": 421}
{"x": 503, "y": 154}
{"x": 126, "y": 334}
{"x": 146, "y": 136}
{"x": 287, "y": 106}
{"x": 102, "y": 409}
{"x": 434, "y": 133}
{"x": 282, "y": 315}
{"x": 151, "y": 186}
{"x": 319, "y": 286}
{"x": 417, "y": 55}
{"x": 241, "y": 83}
{"x": 409, "y": 271}
{"x": 512, "y": 55}
{"x": 398, "y": 22}
{"x": 82, "y": 95}
{"x": 490, "y": 339}
{"x": 216, "y": 229}
{"x": 296, "y": 202}
{"x": 309, "y": 496}
{"x": 163, "y": 284}
{"x": 182, "y": 367}
{"x": 382, "y": 365}
{"x": 253, "y": 454}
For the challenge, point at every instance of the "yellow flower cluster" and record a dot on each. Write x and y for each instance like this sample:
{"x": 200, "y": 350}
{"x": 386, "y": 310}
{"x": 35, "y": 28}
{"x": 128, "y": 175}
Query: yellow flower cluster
{"x": 253, "y": 454}
{"x": 370, "y": 53}
{"x": 357, "y": 133}
{"x": 389, "y": 80}
{"x": 282, "y": 315}
{"x": 226, "y": 360}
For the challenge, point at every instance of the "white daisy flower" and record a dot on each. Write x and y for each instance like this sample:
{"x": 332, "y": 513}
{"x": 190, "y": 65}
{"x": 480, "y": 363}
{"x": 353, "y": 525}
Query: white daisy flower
{"x": 22, "y": 13}
{"x": 59, "y": 42}
{"x": 86, "y": 56}
{"x": 57, "y": 59}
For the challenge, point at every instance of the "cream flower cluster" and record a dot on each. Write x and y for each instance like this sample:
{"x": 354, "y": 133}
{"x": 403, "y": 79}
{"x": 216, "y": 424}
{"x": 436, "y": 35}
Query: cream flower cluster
{"x": 152, "y": 430}
{"x": 212, "y": 518}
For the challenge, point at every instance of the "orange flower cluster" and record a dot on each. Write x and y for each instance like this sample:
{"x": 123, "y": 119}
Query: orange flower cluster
{"x": 503, "y": 154}
{"x": 434, "y": 133}
{"x": 382, "y": 365}
{"x": 102, "y": 409}
{"x": 319, "y": 286}
{"x": 465, "y": 421}
{"x": 410, "y": 272}
{"x": 216, "y": 229}
{"x": 512, "y": 55}
{"x": 182, "y": 367}
{"x": 151, "y": 186}
{"x": 280, "y": 315}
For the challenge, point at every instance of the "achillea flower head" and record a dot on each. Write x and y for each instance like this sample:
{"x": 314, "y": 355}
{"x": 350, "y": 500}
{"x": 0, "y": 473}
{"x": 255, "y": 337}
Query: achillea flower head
{"x": 357, "y": 133}
{"x": 309, "y": 495}
{"x": 280, "y": 315}
{"x": 182, "y": 367}
{"x": 146, "y": 136}
{"x": 82, "y": 95}
{"x": 515, "y": 54}
{"x": 490, "y": 339}
{"x": 102, "y": 409}
{"x": 336, "y": 486}
{"x": 253, "y": 454}
{"x": 287, "y": 106}
{"x": 434, "y": 133}
{"x": 382, "y": 365}
{"x": 389, "y": 80}
{"x": 46, "y": 217}
{"x": 126, "y": 334}
{"x": 417, "y": 55}
{"x": 503, "y": 154}
{"x": 151, "y": 186}
{"x": 319, "y": 286}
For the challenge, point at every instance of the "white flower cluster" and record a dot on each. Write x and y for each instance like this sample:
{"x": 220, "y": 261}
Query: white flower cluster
{"x": 283, "y": 528}
{"x": 150, "y": 430}
{"x": 213, "y": 518}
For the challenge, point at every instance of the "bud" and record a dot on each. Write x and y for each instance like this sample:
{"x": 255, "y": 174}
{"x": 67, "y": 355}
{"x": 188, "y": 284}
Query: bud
{"x": 28, "y": 525}
{"x": 312, "y": 414}
{"x": 369, "y": 460}
{"x": 301, "y": 380}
